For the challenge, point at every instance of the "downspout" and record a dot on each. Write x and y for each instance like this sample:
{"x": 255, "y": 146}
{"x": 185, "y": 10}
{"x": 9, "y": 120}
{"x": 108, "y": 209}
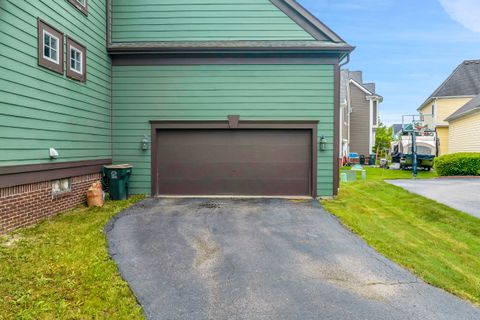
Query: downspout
{"x": 340, "y": 140}
{"x": 348, "y": 112}
{"x": 349, "y": 116}
{"x": 434, "y": 120}
{"x": 346, "y": 62}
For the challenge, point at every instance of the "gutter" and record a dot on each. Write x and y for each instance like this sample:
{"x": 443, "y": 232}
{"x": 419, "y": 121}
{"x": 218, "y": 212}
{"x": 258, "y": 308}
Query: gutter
{"x": 228, "y": 46}
{"x": 346, "y": 62}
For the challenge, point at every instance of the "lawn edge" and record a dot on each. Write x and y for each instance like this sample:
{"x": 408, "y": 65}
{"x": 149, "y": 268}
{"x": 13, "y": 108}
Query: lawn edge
{"x": 75, "y": 210}
{"x": 110, "y": 247}
{"x": 394, "y": 260}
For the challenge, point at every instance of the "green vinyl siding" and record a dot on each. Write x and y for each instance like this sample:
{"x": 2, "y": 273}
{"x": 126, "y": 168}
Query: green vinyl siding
{"x": 212, "y": 92}
{"x": 201, "y": 20}
{"x": 40, "y": 109}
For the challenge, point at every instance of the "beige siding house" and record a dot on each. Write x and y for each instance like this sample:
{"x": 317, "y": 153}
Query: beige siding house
{"x": 464, "y": 128}
{"x": 359, "y": 114}
{"x": 459, "y": 89}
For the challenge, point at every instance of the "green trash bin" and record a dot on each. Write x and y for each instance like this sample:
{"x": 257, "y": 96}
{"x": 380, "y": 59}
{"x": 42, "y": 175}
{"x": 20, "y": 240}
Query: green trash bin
{"x": 362, "y": 160}
{"x": 116, "y": 179}
{"x": 372, "y": 159}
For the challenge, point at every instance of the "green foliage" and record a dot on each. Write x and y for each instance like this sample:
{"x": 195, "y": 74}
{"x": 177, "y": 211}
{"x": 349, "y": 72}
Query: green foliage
{"x": 458, "y": 164}
{"x": 60, "y": 269}
{"x": 383, "y": 139}
{"x": 439, "y": 244}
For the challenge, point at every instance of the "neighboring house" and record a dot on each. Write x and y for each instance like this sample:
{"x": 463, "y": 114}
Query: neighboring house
{"x": 359, "y": 114}
{"x": 464, "y": 128}
{"x": 221, "y": 99}
{"x": 397, "y": 131}
{"x": 459, "y": 88}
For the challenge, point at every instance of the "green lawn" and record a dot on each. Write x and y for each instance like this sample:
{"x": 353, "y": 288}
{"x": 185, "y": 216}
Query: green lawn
{"x": 60, "y": 269}
{"x": 382, "y": 174}
{"x": 439, "y": 244}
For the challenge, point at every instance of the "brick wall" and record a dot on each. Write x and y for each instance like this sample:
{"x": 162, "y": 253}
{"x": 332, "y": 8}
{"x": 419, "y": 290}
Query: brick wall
{"x": 25, "y": 205}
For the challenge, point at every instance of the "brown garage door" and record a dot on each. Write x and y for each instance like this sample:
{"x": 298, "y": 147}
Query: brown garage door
{"x": 234, "y": 162}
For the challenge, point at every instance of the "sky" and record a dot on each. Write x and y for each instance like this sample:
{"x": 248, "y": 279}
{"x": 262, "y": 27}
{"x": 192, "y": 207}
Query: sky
{"x": 407, "y": 47}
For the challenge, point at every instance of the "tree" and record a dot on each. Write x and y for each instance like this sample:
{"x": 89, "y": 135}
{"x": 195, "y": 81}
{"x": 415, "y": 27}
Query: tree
{"x": 383, "y": 139}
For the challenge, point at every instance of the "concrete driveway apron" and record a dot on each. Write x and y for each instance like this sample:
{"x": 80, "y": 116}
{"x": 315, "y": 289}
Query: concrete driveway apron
{"x": 462, "y": 194}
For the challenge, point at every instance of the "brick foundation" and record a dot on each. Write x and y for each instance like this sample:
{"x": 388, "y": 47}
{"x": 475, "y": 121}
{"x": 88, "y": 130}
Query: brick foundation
{"x": 24, "y": 205}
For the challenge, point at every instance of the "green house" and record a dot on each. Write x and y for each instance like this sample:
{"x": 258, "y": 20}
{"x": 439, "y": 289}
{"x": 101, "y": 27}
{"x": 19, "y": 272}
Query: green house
{"x": 203, "y": 97}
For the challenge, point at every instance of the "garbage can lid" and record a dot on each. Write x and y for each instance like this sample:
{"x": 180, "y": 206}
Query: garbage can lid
{"x": 119, "y": 166}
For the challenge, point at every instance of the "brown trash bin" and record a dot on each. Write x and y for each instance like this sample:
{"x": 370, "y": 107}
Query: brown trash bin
{"x": 95, "y": 196}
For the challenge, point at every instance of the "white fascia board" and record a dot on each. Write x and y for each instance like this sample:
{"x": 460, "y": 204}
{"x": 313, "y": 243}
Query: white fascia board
{"x": 361, "y": 87}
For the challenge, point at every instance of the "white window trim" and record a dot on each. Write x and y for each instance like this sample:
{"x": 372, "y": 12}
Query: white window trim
{"x": 83, "y": 3}
{"x": 81, "y": 60}
{"x": 45, "y": 32}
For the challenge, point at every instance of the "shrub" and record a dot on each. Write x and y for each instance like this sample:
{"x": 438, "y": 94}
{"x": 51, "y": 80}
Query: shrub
{"x": 458, "y": 164}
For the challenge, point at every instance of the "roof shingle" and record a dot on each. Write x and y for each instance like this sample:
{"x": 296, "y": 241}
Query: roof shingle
{"x": 464, "y": 81}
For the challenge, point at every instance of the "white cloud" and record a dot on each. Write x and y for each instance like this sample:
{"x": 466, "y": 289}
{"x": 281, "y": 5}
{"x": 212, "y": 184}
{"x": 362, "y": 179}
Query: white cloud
{"x": 464, "y": 11}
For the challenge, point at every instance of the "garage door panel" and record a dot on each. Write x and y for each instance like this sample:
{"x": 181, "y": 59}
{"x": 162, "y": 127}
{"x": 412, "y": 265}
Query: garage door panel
{"x": 230, "y": 187}
{"x": 237, "y": 162}
{"x": 231, "y": 151}
{"x": 253, "y": 154}
{"x": 236, "y": 170}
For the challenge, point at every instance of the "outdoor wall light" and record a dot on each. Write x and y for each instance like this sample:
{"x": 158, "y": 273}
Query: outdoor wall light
{"x": 145, "y": 143}
{"x": 323, "y": 143}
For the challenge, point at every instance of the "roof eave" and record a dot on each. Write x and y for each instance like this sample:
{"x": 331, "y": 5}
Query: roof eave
{"x": 229, "y": 46}
{"x": 463, "y": 114}
{"x": 365, "y": 90}
{"x": 423, "y": 105}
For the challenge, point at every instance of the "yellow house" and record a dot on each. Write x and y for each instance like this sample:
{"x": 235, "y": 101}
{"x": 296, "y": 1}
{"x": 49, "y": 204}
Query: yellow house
{"x": 464, "y": 128}
{"x": 454, "y": 93}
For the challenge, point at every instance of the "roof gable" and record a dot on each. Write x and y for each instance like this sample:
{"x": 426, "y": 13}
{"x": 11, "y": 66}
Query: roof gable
{"x": 307, "y": 21}
{"x": 471, "y": 106}
{"x": 361, "y": 87}
{"x": 190, "y": 21}
{"x": 366, "y": 89}
{"x": 464, "y": 81}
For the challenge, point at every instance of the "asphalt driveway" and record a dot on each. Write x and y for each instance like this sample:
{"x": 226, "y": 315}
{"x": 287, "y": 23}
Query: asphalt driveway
{"x": 263, "y": 259}
{"x": 462, "y": 194}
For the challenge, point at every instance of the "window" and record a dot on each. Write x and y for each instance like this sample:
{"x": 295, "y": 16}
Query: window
{"x": 76, "y": 60}
{"x": 61, "y": 187}
{"x": 50, "y": 47}
{"x": 81, "y": 5}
